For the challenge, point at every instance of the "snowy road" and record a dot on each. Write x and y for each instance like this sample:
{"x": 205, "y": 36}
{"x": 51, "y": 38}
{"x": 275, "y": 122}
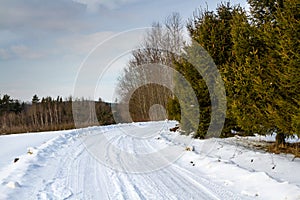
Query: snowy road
{"x": 83, "y": 165}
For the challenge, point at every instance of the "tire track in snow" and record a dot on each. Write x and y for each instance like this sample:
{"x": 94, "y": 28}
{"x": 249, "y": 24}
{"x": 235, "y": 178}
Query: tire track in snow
{"x": 184, "y": 186}
{"x": 76, "y": 174}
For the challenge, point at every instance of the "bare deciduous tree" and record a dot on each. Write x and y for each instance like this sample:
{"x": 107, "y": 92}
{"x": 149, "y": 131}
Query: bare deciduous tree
{"x": 147, "y": 79}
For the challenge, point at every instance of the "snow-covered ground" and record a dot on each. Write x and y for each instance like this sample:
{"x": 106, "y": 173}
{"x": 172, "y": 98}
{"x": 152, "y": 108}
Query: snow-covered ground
{"x": 113, "y": 162}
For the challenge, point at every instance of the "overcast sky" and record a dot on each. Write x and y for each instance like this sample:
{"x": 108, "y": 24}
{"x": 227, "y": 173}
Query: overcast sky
{"x": 43, "y": 43}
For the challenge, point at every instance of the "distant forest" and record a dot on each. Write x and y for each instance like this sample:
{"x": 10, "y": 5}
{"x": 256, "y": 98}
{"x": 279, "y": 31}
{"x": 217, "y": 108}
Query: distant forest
{"x": 45, "y": 114}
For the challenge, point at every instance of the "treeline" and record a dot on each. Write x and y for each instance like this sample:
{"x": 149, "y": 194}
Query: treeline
{"x": 258, "y": 57}
{"x": 257, "y": 54}
{"x": 142, "y": 84}
{"x": 45, "y": 114}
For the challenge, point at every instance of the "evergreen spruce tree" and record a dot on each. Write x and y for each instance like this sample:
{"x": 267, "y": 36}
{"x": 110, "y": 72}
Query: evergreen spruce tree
{"x": 198, "y": 85}
{"x": 266, "y": 51}
{"x": 35, "y": 99}
{"x": 284, "y": 45}
{"x": 245, "y": 76}
{"x": 212, "y": 31}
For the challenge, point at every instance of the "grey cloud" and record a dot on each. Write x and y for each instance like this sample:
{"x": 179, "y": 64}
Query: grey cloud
{"x": 45, "y": 15}
{"x": 19, "y": 51}
{"x": 23, "y": 51}
{"x": 4, "y": 54}
{"x": 6, "y": 36}
{"x": 92, "y": 5}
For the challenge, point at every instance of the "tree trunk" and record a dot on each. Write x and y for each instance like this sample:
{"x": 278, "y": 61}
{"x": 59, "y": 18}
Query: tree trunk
{"x": 280, "y": 139}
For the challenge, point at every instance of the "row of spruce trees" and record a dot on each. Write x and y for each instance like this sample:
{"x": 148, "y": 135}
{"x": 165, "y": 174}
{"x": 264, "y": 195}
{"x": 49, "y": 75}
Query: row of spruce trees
{"x": 46, "y": 114}
{"x": 257, "y": 55}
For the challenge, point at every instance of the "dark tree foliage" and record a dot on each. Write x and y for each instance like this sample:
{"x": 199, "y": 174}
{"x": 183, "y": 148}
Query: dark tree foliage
{"x": 212, "y": 31}
{"x": 173, "y": 108}
{"x": 264, "y": 11}
{"x": 8, "y": 105}
{"x": 258, "y": 58}
{"x": 267, "y": 69}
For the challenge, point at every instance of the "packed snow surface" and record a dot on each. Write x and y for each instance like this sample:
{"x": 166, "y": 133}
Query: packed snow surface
{"x": 141, "y": 161}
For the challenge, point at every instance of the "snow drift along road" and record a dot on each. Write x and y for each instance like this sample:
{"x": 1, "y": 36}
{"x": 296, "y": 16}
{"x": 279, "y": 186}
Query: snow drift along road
{"x": 80, "y": 164}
